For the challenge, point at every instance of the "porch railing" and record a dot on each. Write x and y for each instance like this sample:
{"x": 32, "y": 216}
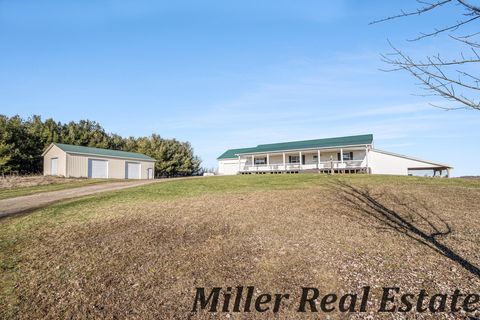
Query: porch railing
{"x": 307, "y": 166}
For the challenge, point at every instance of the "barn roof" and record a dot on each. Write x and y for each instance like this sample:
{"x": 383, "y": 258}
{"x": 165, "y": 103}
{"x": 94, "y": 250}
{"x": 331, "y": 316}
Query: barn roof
{"x": 70, "y": 148}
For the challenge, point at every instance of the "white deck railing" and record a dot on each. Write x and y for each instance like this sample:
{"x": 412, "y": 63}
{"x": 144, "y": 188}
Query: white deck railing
{"x": 308, "y": 166}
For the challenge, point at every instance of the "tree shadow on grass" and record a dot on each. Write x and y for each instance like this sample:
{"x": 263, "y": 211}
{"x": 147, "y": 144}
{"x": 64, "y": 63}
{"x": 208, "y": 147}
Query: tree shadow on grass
{"x": 413, "y": 219}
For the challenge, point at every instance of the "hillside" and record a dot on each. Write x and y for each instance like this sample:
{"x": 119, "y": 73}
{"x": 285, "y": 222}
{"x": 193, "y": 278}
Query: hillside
{"x": 140, "y": 253}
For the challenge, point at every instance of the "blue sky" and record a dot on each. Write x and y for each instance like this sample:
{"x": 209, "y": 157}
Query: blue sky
{"x": 228, "y": 74}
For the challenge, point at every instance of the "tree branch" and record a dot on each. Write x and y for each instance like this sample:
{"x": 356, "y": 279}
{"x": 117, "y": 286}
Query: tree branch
{"x": 413, "y": 13}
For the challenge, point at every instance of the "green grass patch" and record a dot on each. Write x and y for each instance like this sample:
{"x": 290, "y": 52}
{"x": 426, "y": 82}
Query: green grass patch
{"x": 252, "y": 183}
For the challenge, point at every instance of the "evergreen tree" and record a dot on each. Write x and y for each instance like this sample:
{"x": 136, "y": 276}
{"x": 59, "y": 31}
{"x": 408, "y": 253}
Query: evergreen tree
{"x": 23, "y": 141}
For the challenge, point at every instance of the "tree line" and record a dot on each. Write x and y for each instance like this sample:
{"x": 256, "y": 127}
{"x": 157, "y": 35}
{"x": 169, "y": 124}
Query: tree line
{"x": 23, "y": 141}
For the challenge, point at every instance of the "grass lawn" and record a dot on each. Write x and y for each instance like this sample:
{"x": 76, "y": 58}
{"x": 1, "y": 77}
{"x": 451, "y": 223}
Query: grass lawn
{"x": 140, "y": 253}
{"x": 22, "y": 186}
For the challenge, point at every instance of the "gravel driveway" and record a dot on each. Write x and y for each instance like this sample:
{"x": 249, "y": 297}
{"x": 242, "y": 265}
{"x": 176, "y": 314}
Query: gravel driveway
{"x": 23, "y": 204}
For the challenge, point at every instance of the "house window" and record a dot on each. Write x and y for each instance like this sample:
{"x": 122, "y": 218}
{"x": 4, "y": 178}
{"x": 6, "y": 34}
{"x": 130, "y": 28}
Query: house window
{"x": 346, "y": 156}
{"x": 260, "y": 160}
{"x": 294, "y": 159}
{"x": 315, "y": 158}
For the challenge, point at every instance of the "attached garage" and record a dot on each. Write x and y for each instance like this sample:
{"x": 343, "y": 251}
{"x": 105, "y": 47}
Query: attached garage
{"x": 86, "y": 162}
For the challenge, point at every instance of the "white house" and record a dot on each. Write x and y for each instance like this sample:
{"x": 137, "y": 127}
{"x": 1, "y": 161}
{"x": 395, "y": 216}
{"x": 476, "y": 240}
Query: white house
{"x": 85, "y": 162}
{"x": 352, "y": 154}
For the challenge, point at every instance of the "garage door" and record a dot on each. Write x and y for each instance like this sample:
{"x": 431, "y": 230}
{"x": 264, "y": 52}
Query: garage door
{"x": 133, "y": 170}
{"x": 97, "y": 168}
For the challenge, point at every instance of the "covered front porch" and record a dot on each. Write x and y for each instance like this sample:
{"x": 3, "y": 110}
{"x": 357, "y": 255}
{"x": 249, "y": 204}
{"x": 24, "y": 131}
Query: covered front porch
{"x": 336, "y": 160}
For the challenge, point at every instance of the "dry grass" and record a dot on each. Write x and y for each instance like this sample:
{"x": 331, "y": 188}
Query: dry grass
{"x": 139, "y": 254}
{"x": 10, "y": 182}
{"x": 15, "y": 186}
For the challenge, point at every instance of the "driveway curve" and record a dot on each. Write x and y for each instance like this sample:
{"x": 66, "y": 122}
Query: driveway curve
{"x": 25, "y": 204}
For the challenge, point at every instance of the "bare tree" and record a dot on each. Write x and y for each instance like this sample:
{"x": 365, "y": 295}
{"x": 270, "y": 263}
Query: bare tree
{"x": 454, "y": 79}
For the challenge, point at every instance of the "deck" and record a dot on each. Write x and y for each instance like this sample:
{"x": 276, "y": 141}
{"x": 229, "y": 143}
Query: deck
{"x": 353, "y": 166}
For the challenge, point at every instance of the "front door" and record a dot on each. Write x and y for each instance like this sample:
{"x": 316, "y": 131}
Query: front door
{"x": 150, "y": 173}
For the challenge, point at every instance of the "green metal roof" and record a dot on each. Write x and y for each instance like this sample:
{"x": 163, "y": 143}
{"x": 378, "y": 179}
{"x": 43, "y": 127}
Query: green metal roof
{"x": 232, "y": 153}
{"x": 299, "y": 145}
{"x": 102, "y": 152}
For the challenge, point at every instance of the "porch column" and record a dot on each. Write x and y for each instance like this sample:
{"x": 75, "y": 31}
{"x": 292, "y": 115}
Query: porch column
{"x": 448, "y": 172}
{"x": 366, "y": 158}
{"x": 239, "y": 164}
{"x": 300, "y": 154}
{"x": 318, "y": 159}
{"x": 341, "y": 155}
{"x": 268, "y": 159}
{"x": 253, "y": 160}
{"x": 284, "y": 165}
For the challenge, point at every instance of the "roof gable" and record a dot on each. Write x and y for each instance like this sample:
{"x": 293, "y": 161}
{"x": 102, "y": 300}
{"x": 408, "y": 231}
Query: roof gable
{"x": 69, "y": 148}
{"x": 304, "y": 144}
{"x": 232, "y": 153}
